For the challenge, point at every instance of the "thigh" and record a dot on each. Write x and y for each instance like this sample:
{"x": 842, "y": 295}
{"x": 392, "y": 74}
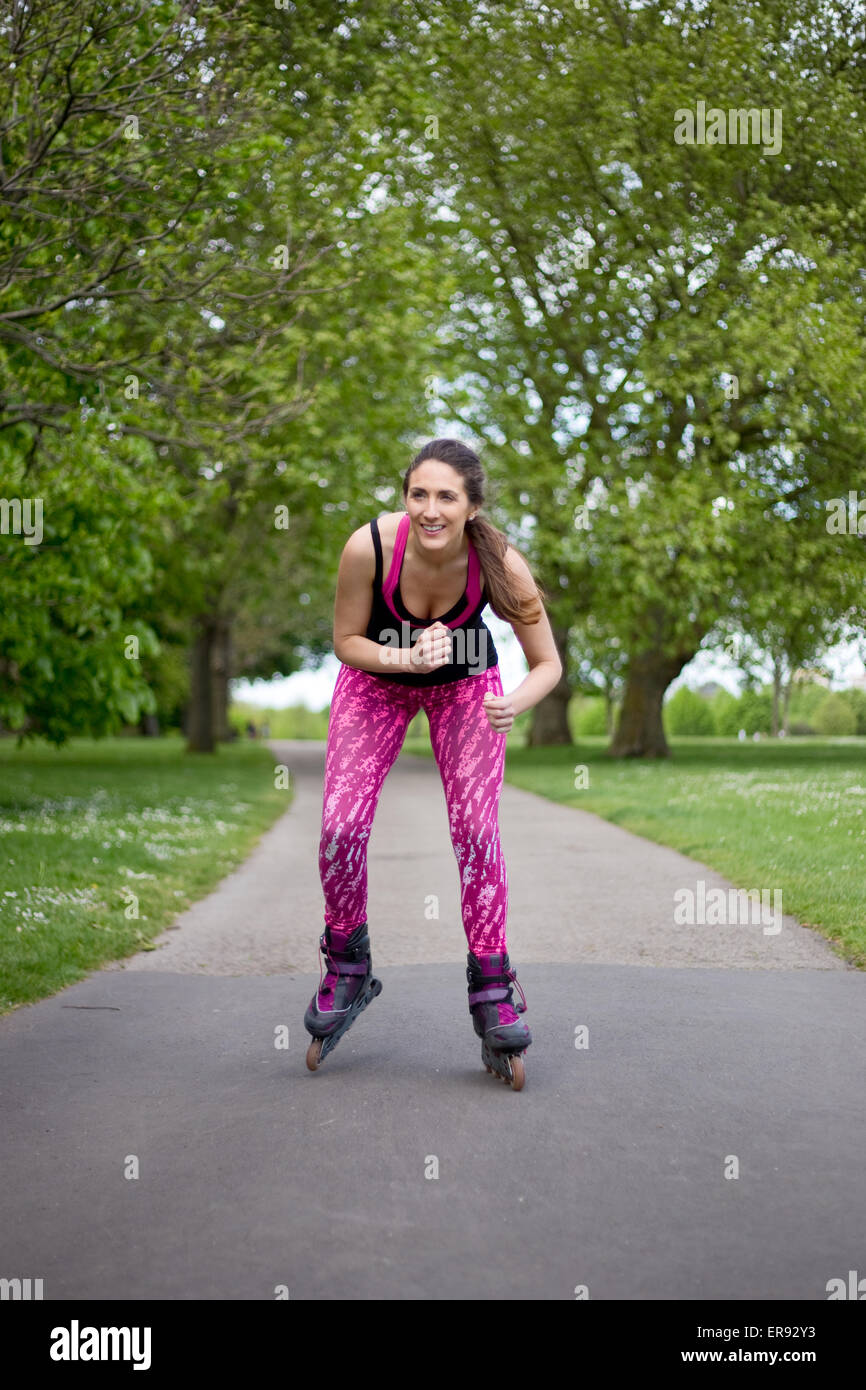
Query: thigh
{"x": 470, "y": 754}
{"x": 366, "y": 728}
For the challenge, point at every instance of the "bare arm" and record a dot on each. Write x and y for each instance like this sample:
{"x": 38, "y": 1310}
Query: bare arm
{"x": 537, "y": 641}
{"x": 352, "y": 609}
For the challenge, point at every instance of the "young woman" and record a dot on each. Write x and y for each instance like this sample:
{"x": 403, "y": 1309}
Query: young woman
{"x": 408, "y": 630}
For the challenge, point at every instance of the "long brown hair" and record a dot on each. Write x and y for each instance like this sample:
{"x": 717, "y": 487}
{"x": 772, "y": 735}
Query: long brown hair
{"x": 504, "y": 597}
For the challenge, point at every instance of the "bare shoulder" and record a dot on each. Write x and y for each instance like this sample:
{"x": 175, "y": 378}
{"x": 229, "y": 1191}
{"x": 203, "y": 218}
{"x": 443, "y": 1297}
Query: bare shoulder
{"x": 358, "y": 559}
{"x": 360, "y": 536}
{"x": 388, "y": 523}
{"x": 359, "y": 555}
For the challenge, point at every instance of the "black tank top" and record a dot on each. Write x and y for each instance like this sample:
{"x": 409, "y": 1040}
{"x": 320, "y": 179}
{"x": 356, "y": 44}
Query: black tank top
{"x": 392, "y": 625}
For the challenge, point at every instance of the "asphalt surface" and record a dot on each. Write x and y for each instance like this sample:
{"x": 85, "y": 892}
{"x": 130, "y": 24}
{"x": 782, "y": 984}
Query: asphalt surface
{"x": 703, "y": 1139}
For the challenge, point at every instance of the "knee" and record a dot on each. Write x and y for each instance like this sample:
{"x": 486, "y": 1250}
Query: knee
{"x": 478, "y": 832}
{"x": 338, "y": 838}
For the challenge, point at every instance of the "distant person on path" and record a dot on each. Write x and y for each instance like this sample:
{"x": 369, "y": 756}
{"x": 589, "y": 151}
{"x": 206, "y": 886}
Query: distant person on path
{"x": 251, "y": 729}
{"x": 411, "y": 589}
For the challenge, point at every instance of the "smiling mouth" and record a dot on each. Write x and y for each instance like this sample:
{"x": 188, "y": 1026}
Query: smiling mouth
{"x": 432, "y": 530}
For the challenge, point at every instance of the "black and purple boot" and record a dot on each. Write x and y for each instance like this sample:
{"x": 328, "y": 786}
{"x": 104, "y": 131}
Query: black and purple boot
{"x": 346, "y": 990}
{"x": 504, "y": 1036}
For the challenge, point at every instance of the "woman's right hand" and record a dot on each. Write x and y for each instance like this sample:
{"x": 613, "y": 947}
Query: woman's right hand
{"x": 432, "y": 650}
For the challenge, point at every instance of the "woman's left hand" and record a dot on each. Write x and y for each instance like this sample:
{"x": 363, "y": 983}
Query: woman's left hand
{"x": 499, "y": 710}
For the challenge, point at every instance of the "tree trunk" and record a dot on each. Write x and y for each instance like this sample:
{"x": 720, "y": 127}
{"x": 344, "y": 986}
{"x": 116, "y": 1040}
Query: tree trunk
{"x": 786, "y": 704}
{"x": 200, "y": 721}
{"x": 550, "y": 716}
{"x": 222, "y": 671}
{"x": 148, "y": 725}
{"x": 777, "y": 691}
{"x": 608, "y": 708}
{"x": 640, "y": 731}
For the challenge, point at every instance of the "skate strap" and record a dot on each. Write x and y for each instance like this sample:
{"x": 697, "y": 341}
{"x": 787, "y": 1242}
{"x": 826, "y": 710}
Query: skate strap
{"x": 491, "y": 993}
{"x": 345, "y": 967}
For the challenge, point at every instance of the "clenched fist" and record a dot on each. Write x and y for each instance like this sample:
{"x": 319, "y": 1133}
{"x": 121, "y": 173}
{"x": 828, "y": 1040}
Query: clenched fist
{"x": 499, "y": 711}
{"x": 433, "y": 648}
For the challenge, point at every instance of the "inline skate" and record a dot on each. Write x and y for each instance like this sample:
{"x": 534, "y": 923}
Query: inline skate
{"x": 348, "y": 987}
{"x": 504, "y": 1037}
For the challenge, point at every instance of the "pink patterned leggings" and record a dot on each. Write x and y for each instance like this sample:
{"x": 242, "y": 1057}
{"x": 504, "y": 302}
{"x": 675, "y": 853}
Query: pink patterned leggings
{"x": 368, "y": 722}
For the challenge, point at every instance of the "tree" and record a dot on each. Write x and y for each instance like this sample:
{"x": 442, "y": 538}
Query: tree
{"x": 686, "y": 712}
{"x": 189, "y": 302}
{"x": 637, "y": 315}
{"x": 834, "y": 717}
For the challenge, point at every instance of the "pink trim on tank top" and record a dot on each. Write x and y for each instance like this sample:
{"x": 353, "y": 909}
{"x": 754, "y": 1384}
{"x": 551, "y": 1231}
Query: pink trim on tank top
{"x": 473, "y": 580}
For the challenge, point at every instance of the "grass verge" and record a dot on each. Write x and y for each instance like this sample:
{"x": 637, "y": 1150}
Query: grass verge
{"x": 104, "y": 842}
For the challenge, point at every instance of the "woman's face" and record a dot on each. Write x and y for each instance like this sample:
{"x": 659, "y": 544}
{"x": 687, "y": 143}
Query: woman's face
{"x": 437, "y": 499}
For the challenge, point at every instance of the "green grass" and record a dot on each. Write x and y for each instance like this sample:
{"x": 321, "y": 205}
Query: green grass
{"x": 85, "y": 827}
{"x": 787, "y": 815}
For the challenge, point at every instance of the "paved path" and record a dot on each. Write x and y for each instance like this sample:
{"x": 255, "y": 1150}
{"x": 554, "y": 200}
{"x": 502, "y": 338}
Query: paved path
{"x": 707, "y": 1048}
{"x": 579, "y": 889}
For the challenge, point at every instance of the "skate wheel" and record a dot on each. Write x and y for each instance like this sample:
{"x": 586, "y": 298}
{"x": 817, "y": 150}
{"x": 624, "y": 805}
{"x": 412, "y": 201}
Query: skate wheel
{"x": 314, "y": 1054}
{"x": 518, "y": 1073}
